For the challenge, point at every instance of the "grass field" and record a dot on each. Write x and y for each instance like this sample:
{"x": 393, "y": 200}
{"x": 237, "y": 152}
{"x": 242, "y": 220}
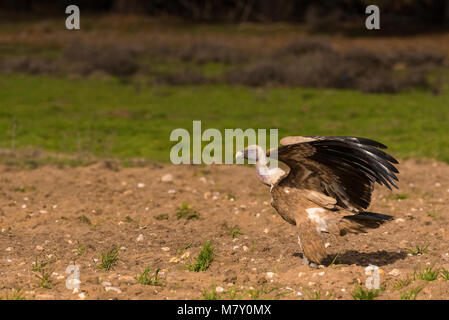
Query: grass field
{"x": 109, "y": 118}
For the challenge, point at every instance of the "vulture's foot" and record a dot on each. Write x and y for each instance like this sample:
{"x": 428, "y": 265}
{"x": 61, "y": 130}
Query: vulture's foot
{"x": 306, "y": 262}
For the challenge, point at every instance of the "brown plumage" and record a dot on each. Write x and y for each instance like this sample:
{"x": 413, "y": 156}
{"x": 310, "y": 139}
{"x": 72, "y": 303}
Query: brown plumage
{"x": 328, "y": 187}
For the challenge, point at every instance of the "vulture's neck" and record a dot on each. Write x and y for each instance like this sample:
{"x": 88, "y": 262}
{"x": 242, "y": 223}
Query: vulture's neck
{"x": 266, "y": 175}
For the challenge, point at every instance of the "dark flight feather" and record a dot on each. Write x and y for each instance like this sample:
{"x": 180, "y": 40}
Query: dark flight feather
{"x": 347, "y": 167}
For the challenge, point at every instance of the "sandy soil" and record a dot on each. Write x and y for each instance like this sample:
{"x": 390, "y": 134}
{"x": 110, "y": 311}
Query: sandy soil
{"x": 43, "y": 216}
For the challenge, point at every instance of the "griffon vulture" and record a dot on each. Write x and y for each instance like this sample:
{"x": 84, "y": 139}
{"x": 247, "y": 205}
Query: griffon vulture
{"x": 328, "y": 187}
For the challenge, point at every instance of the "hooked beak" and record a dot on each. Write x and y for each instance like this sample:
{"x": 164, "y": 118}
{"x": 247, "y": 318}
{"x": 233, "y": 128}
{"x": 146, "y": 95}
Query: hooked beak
{"x": 239, "y": 157}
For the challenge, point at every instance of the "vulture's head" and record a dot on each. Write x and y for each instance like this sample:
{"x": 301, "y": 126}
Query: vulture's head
{"x": 252, "y": 153}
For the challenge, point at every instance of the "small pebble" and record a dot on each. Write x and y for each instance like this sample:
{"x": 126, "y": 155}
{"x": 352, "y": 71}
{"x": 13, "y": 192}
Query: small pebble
{"x": 117, "y": 290}
{"x": 219, "y": 289}
{"x": 394, "y": 272}
{"x": 167, "y": 178}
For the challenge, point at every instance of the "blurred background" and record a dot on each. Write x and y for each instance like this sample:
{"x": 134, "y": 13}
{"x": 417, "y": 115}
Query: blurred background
{"x": 138, "y": 69}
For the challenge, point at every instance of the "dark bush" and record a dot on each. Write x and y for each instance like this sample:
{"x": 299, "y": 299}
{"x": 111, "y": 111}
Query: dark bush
{"x": 115, "y": 60}
{"x": 414, "y": 58}
{"x": 28, "y": 65}
{"x": 358, "y": 69}
{"x": 260, "y": 74}
{"x": 206, "y": 51}
{"x": 185, "y": 76}
{"x": 303, "y": 46}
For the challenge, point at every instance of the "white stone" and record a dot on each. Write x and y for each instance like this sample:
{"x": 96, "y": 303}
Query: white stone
{"x": 394, "y": 272}
{"x": 167, "y": 178}
{"x": 117, "y": 290}
{"x": 219, "y": 289}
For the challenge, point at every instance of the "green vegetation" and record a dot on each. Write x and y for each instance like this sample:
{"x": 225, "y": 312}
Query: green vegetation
{"x": 398, "y": 196}
{"x": 399, "y": 284}
{"x": 360, "y": 293}
{"x": 163, "y": 216}
{"x": 43, "y": 270}
{"x": 428, "y": 274}
{"x": 419, "y": 250}
{"x": 24, "y": 189}
{"x": 150, "y": 280}
{"x": 109, "y": 118}
{"x": 235, "y": 231}
{"x": 109, "y": 258}
{"x": 86, "y": 220}
{"x": 412, "y": 294}
{"x": 445, "y": 274}
{"x": 204, "y": 259}
{"x": 17, "y": 294}
{"x": 79, "y": 251}
{"x": 210, "y": 295}
{"x": 185, "y": 211}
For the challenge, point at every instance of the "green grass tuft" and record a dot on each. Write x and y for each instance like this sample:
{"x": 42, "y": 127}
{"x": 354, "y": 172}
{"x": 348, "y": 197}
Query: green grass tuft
{"x": 428, "y": 274}
{"x": 150, "y": 280}
{"x": 43, "y": 270}
{"x": 399, "y": 284}
{"x": 399, "y": 196}
{"x": 235, "y": 231}
{"x": 109, "y": 258}
{"x": 412, "y": 294}
{"x": 17, "y": 294}
{"x": 445, "y": 274}
{"x": 185, "y": 211}
{"x": 419, "y": 250}
{"x": 211, "y": 294}
{"x": 360, "y": 293}
{"x": 86, "y": 220}
{"x": 163, "y": 216}
{"x": 204, "y": 259}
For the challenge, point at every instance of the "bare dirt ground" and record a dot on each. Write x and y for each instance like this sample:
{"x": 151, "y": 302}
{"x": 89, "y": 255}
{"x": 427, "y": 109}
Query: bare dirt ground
{"x": 67, "y": 215}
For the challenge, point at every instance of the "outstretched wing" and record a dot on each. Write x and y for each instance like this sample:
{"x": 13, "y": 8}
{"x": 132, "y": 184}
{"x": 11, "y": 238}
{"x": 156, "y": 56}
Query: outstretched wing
{"x": 343, "y": 168}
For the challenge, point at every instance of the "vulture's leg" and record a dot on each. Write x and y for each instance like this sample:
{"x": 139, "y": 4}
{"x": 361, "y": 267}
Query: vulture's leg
{"x": 305, "y": 261}
{"x": 310, "y": 242}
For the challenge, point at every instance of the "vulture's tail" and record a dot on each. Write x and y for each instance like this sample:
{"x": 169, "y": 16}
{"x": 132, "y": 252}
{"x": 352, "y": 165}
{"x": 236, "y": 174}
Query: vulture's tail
{"x": 361, "y": 221}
